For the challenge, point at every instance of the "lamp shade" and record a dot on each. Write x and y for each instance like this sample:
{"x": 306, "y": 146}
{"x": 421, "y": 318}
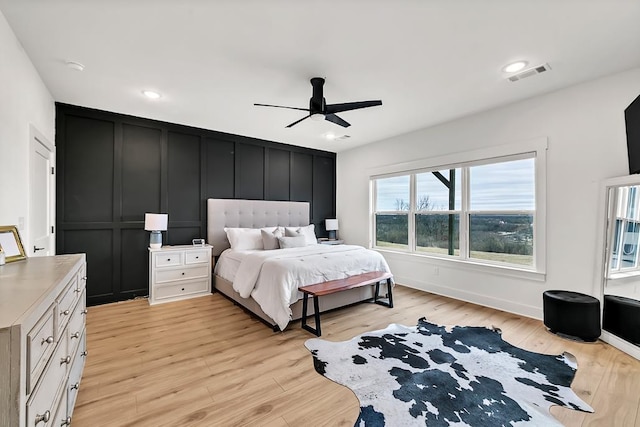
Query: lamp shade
{"x": 331, "y": 224}
{"x": 155, "y": 222}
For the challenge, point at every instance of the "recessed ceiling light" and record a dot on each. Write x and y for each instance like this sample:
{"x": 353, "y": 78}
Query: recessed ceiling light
{"x": 75, "y": 65}
{"x": 330, "y": 136}
{"x": 515, "y": 66}
{"x": 151, "y": 94}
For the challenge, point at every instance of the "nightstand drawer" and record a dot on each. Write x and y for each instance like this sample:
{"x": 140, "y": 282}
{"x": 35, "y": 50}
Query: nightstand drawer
{"x": 172, "y": 291}
{"x": 182, "y": 273}
{"x": 168, "y": 259}
{"x": 198, "y": 257}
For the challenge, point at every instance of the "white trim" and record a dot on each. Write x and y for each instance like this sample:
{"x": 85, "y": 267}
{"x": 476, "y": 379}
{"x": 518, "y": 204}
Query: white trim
{"x": 620, "y": 344}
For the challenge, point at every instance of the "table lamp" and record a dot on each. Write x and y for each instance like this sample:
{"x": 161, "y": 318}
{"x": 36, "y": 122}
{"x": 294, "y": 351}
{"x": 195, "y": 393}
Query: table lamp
{"x": 156, "y": 224}
{"x": 331, "y": 225}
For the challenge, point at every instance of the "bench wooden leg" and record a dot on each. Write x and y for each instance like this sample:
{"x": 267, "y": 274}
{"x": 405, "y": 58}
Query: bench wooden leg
{"x": 389, "y": 295}
{"x": 316, "y": 308}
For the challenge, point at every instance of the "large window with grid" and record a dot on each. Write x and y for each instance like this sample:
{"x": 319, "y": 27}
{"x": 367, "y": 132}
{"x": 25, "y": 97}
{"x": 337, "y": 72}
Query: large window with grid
{"x": 481, "y": 211}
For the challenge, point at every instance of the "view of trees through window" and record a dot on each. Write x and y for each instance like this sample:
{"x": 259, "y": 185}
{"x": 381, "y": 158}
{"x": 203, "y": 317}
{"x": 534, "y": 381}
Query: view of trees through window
{"x": 497, "y": 224}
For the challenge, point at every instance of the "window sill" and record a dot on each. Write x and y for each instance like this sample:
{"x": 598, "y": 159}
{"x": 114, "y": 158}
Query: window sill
{"x": 467, "y": 265}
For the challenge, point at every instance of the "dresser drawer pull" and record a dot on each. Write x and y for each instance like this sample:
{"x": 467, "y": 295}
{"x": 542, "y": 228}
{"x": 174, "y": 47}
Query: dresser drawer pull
{"x": 66, "y": 312}
{"x": 75, "y": 335}
{"x": 66, "y": 421}
{"x": 84, "y": 353}
{"x": 47, "y": 340}
{"x": 84, "y": 311}
{"x": 66, "y": 360}
{"x": 74, "y": 386}
{"x": 77, "y": 290}
{"x": 84, "y": 277}
{"x": 44, "y": 417}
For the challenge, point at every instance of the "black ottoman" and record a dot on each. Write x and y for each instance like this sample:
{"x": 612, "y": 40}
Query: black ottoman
{"x": 572, "y": 314}
{"x": 622, "y": 317}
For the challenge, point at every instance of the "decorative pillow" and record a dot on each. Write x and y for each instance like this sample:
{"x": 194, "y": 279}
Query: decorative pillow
{"x": 306, "y": 231}
{"x": 292, "y": 242}
{"x": 244, "y": 238}
{"x": 270, "y": 237}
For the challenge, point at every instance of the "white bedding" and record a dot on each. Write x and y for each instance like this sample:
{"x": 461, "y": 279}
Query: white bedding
{"x": 272, "y": 277}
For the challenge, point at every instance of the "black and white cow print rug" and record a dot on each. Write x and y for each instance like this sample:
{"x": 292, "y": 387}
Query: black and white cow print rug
{"x": 466, "y": 376}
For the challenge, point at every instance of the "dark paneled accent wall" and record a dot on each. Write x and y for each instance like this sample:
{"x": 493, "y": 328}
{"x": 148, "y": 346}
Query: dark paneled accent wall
{"x": 113, "y": 168}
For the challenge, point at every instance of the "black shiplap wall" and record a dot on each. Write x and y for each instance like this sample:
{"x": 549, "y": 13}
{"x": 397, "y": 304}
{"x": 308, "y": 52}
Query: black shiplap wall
{"x": 112, "y": 168}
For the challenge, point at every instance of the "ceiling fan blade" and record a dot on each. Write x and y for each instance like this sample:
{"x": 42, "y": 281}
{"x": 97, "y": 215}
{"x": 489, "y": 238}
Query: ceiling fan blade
{"x": 347, "y": 106}
{"x": 337, "y": 120}
{"x": 281, "y": 106}
{"x": 298, "y": 121}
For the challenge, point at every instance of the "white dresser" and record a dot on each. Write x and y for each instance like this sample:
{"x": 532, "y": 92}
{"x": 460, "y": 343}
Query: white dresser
{"x": 42, "y": 339}
{"x": 179, "y": 272}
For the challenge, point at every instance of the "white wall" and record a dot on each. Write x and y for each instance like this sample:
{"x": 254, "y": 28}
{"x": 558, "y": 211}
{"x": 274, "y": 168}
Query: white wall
{"x": 585, "y": 128}
{"x": 24, "y": 101}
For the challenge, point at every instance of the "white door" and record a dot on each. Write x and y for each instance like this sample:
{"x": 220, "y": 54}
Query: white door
{"x": 42, "y": 196}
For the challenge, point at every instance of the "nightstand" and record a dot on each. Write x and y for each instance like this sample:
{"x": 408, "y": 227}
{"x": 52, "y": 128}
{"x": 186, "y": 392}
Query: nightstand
{"x": 331, "y": 242}
{"x": 179, "y": 272}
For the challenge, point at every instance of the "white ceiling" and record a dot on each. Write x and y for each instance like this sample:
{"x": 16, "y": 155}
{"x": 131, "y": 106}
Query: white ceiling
{"x": 429, "y": 61}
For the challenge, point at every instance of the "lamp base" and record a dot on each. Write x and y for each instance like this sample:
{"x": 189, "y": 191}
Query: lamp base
{"x": 332, "y": 234}
{"x": 155, "y": 240}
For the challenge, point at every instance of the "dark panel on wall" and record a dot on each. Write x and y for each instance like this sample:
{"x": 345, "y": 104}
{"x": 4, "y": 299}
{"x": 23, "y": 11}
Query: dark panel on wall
{"x": 135, "y": 263}
{"x": 249, "y": 172}
{"x": 220, "y": 168}
{"x": 88, "y": 152}
{"x": 141, "y": 147}
{"x": 323, "y": 189}
{"x": 183, "y": 177}
{"x": 113, "y": 168}
{"x": 278, "y": 172}
{"x": 183, "y": 235}
{"x": 97, "y": 245}
{"x": 301, "y": 177}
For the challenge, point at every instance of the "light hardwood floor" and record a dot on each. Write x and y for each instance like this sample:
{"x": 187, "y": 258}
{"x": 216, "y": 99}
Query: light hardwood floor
{"x": 205, "y": 362}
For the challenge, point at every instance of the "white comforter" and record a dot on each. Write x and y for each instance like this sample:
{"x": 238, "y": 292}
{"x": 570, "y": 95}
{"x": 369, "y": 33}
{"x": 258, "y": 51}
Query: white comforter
{"x": 272, "y": 277}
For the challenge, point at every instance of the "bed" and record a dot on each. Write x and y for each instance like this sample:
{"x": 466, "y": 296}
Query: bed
{"x": 264, "y": 281}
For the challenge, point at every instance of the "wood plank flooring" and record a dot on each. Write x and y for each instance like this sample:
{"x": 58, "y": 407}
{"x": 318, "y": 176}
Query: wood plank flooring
{"x": 206, "y": 362}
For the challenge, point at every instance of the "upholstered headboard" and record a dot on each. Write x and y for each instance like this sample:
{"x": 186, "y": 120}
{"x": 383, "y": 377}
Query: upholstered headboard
{"x": 223, "y": 213}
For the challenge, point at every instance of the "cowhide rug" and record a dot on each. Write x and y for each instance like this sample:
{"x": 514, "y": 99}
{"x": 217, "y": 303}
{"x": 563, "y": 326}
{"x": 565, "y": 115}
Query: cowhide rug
{"x": 427, "y": 375}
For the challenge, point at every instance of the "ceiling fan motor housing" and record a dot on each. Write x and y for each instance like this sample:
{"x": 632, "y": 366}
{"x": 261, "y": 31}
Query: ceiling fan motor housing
{"x": 317, "y": 102}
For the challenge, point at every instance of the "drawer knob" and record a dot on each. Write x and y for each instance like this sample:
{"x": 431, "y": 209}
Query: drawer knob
{"x": 75, "y": 386}
{"x": 66, "y": 312}
{"x": 66, "y": 360}
{"x": 84, "y": 277}
{"x": 84, "y": 353}
{"x": 75, "y": 335}
{"x": 66, "y": 421}
{"x": 44, "y": 417}
{"x": 77, "y": 291}
{"x": 47, "y": 340}
{"x": 84, "y": 311}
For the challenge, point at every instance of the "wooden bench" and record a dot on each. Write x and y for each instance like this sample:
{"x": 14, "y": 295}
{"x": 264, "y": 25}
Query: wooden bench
{"x": 326, "y": 288}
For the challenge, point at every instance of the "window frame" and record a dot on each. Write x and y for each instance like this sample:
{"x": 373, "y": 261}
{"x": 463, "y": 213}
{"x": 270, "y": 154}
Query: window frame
{"x": 535, "y": 148}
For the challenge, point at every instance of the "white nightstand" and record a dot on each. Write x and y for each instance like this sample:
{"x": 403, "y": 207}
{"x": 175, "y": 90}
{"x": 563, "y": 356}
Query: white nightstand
{"x": 331, "y": 242}
{"x": 179, "y": 272}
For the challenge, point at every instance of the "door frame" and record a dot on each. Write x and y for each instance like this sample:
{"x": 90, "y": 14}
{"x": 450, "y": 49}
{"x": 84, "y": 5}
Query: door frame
{"x": 37, "y": 138}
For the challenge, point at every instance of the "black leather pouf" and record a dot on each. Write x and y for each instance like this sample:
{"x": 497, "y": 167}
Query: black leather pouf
{"x": 622, "y": 317}
{"x": 572, "y": 314}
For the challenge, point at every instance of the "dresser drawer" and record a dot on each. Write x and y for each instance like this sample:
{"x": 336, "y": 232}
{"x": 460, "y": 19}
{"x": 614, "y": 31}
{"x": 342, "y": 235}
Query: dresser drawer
{"x": 42, "y": 403}
{"x": 66, "y": 302}
{"x": 40, "y": 344}
{"x": 60, "y": 418}
{"x": 172, "y": 291}
{"x": 197, "y": 257}
{"x": 82, "y": 278}
{"x": 168, "y": 259}
{"x": 182, "y": 273}
{"x": 75, "y": 373}
{"x": 76, "y": 324}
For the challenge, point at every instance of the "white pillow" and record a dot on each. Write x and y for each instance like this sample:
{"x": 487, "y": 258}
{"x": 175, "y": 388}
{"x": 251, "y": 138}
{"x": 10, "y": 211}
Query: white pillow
{"x": 242, "y": 239}
{"x": 292, "y": 242}
{"x": 306, "y": 231}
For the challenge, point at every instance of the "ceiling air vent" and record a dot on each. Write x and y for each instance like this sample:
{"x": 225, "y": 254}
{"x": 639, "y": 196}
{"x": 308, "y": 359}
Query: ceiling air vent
{"x": 529, "y": 72}
{"x": 344, "y": 137}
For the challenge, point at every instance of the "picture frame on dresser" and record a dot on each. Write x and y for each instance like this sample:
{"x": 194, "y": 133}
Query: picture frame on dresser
{"x": 11, "y": 243}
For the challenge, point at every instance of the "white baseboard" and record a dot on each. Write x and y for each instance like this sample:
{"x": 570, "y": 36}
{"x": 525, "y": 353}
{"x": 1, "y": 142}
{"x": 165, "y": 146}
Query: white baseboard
{"x": 620, "y": 344}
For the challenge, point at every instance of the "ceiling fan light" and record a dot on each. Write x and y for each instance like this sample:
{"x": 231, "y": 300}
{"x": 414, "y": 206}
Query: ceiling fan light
{"x": 151, "y": 94}
{"x": 317, "y": 117}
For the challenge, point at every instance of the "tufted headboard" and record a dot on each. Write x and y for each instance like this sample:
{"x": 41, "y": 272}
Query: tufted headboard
{"x": 223, "y": 213}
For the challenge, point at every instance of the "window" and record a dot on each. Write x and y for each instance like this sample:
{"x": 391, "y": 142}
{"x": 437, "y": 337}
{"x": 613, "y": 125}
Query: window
{"x": 480, "y": 211}
{"x": 624, "y": 254}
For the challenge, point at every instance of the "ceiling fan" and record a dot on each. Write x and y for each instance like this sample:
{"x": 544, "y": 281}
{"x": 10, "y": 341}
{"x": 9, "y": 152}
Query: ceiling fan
{"x": 318, "y": 106}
